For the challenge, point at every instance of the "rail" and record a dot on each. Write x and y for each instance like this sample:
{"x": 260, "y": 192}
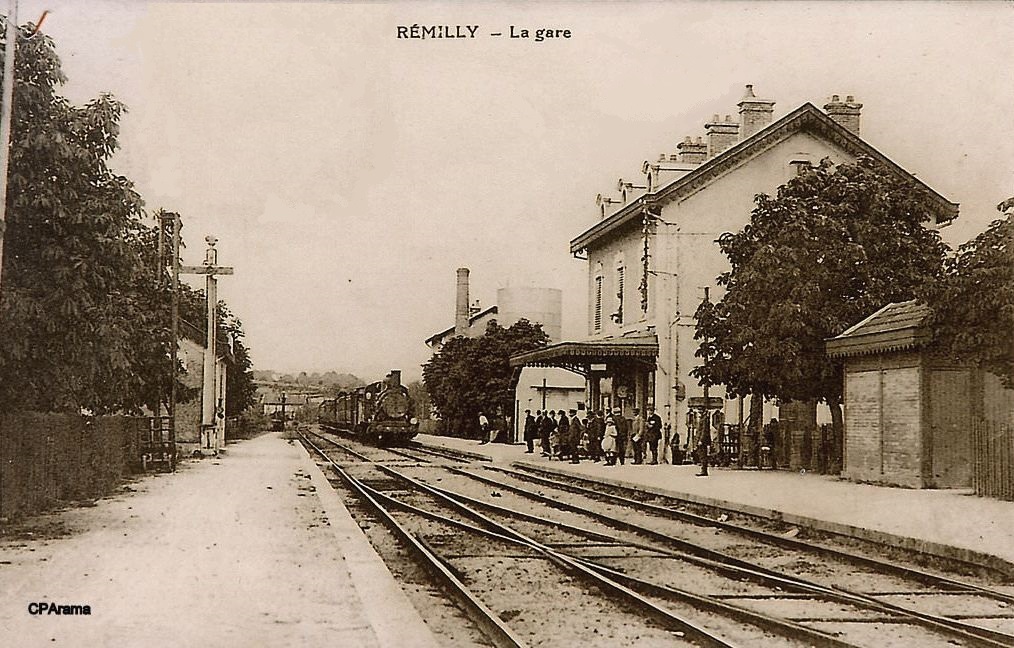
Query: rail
{"x": 764, "y": 536}
{"x": 743, "y": 569}
{"x": 708, "y": 558}
{"x": 487, "y": 621}
{"x": 662, "y": 615}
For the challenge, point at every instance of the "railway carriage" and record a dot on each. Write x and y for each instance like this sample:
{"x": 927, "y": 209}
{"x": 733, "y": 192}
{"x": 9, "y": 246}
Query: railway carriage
{"x": 380, "y": 413}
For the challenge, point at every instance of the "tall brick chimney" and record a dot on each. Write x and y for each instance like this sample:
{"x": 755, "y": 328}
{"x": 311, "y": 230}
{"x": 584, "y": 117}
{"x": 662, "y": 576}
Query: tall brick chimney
{"x": 692, "y": 152}
{"x": 721, "y": 135}
{"x": 461, "y": 303}
{"x": 845, "y": 112}
{"x": 754, "y": 113}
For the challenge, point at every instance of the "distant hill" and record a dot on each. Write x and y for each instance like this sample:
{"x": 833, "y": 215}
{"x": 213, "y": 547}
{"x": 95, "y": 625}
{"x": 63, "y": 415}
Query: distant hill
{"x": 327, "y": 379}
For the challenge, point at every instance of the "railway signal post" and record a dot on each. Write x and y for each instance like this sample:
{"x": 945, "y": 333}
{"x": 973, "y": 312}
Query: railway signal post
{"x": 211, "y": 270}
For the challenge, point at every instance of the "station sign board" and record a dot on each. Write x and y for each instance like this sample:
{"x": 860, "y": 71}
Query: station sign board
{"x": 713, "y": 402}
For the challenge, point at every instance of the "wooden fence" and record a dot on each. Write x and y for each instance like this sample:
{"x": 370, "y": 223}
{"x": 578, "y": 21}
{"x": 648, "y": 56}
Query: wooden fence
{"x": 803, "y": 448}
{"x": 46, "y": 458}
{"x": 993, "y": 460}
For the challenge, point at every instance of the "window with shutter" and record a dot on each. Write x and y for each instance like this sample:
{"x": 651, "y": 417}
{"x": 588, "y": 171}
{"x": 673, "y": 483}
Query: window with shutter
{"x": 598, "y": 303}
{"x": 619, "y": 295}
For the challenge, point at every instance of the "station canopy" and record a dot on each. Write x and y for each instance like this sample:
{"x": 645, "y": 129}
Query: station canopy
{"x": 581, "y": 357}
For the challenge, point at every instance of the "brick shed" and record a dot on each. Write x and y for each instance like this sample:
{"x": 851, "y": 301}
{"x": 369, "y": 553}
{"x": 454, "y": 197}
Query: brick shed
{"x": 908, "y": 411}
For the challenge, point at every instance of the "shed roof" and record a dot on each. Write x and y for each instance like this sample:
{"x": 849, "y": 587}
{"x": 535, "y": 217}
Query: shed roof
{"x": 896, "y": 327}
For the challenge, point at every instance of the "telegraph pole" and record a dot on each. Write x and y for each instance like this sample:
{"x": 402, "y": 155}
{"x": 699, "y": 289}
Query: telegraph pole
{"x": 705, "y": 439}
{"x": 6, "y": 111}
{"x": 173, "y": 221}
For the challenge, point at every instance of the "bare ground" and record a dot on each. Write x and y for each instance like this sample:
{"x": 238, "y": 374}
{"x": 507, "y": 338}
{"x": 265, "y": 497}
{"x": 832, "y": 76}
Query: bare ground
{"x": 229, "y": 552}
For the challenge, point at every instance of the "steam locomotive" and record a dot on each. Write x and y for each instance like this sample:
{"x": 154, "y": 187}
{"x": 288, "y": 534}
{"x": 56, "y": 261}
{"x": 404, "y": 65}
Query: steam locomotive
{"x": 379, "y": 413}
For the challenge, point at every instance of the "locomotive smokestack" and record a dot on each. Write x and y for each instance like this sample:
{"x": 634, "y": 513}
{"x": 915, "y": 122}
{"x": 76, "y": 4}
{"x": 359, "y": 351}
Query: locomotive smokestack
{"x": 394, "y": 378}
{"x": 461, "y": 303}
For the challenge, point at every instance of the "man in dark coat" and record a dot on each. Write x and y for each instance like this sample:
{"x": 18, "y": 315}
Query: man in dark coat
{"x": 530, "y": 431}
{"x": 563, "y": 429}
{"x": 622, "y": 434}
{"x": 545, "y": 430}
{"x": 576, "y": 433}
{"x": 539, "y": 416}
{"x": 704, "y": 444}
{"x": 653, "y": 433}
{"x": 595, "y": 430}
{"x": 679, "y": 453}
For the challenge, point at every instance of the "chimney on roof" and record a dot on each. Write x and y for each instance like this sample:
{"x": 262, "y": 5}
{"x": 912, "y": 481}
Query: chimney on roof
{"x": 845, "y": 112}
{"x": 461, "y": 303}
{"x": 695, "y": 152}
{"x": 754, "y": 113}
{"x": 721, "y": 134}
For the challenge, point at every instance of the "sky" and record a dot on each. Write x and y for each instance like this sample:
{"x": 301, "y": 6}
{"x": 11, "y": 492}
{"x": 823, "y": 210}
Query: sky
{"x": 347, "y": 173}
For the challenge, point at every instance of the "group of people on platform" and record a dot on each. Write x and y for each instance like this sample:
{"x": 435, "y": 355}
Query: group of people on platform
{"x": 600, "y": 436}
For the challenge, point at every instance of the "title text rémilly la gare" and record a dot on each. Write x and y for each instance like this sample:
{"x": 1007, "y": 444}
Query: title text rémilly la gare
{"x": 424, "y": 32}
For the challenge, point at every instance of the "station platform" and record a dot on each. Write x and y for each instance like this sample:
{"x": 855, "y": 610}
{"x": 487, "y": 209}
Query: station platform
{"x": 251, "y": 549}
{"x": 953, "y": 523}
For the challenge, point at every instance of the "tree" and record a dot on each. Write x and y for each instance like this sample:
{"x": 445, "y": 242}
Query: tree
{"x": 472, "y": 375}
{"x": 336, "y": 383}
{"x": 973, "y": 307}
{"x": 417, "y": 392}
{"x": 834, "y": 245}
{"x": 75, "y": 316}
{"x": 84, "y": 299}
{"x": 240, "y": 390}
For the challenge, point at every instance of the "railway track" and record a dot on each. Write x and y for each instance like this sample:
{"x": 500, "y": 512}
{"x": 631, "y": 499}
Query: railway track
{"x": 592, "y": 535}
{"x": 788, "y": 543}
{"x": 453, "y": 561}
{"x": 794, "y": 571}
{"x": 755, "y": 525}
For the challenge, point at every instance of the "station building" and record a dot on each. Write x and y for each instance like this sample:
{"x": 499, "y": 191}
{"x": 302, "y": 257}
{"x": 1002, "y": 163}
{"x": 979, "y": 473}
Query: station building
{"x": 538, "y": 388}
{"x": 649, "y": 258}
